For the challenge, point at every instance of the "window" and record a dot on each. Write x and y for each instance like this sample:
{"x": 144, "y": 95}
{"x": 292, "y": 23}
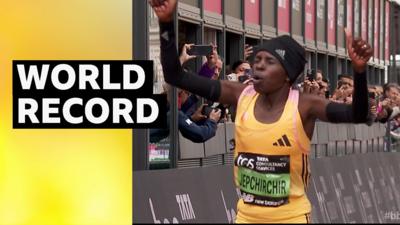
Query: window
{"x": 191, "y": 2}
{"x": 234, "y": 49}
{"x": 234, "y": 8}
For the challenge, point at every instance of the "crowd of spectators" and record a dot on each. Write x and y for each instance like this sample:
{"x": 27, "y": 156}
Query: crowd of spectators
{"x": 384, "y": 100}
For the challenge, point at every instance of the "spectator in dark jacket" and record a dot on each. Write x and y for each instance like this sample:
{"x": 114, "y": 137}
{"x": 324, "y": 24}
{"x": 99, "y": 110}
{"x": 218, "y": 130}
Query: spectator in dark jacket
{"x": 198, "y": 128}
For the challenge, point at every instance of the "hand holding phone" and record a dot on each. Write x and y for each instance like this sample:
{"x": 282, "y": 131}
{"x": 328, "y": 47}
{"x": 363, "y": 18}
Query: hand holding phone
{"x": 327, "y": 94}
{"x": 184, "y": 57}
{"x": 311, "y": 75}
{"x": 371, "y": 95}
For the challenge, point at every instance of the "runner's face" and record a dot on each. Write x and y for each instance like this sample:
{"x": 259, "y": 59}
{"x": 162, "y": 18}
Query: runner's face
{"x": 268, "y": 73}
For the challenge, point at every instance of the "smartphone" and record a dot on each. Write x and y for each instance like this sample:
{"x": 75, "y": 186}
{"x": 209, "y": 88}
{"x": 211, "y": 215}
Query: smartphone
{"x": 203, "y": 50}
{"x": 311, "y": 75}
{"x": 223, "y": 110}
{"x": 206, "y": 110}
{"x": 243, "y": 78}
{"x": 248, "y": 72}
{"x": 327, "y": 94}
{"x": 371, "y": 95}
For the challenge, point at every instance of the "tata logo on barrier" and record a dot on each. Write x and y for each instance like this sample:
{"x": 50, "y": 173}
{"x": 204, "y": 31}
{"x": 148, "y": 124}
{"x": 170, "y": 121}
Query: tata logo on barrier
{"x": 246, "y": 162}
{"x": 157, "y": 221}
{"x": 185, "y": 207}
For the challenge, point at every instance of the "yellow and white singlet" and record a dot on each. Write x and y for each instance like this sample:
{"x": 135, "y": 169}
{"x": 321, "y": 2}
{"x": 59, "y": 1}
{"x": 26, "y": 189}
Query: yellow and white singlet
{"x": 271, "y": 164}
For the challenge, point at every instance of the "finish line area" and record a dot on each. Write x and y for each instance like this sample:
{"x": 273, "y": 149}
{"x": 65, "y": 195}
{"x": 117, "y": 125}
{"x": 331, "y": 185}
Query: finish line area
{"x": 353, "y": 180}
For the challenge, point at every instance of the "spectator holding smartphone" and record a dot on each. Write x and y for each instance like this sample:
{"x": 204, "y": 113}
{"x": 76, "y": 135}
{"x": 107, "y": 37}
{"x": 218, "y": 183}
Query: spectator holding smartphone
{"x": 310, "y": 85}
{"x": 198, "y": 127}
{"x": 238, "y": 69}
{"x": 213, "y": 67}
{"x": 323, "y": 88}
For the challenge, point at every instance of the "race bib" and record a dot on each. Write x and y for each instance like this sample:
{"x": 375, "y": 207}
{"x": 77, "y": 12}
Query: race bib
{"x": 264, "y": 180}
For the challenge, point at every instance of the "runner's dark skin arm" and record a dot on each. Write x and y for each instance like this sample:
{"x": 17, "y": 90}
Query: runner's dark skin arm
{"x": 173, "y": 72}
{"x": 314, "y": 107}
{"x": 230, "y": 92}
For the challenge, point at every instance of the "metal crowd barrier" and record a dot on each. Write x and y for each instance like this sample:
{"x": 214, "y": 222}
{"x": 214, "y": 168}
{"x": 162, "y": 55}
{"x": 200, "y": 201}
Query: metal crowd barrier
{"x": 356, "y": 188}
{"x": 329, "y": 140}
{"x": 343, "y": 139}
